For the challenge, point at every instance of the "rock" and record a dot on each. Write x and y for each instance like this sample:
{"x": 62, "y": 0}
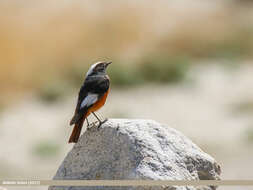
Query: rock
{"x": 136, "y": 149}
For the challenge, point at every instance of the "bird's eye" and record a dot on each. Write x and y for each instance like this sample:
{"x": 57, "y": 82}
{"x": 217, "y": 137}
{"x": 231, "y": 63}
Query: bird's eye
{"x": 100, "y": 68}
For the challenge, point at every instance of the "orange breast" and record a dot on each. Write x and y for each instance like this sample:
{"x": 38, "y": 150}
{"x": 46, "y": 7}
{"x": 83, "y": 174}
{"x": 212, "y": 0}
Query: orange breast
{"x": 98, "y": 104}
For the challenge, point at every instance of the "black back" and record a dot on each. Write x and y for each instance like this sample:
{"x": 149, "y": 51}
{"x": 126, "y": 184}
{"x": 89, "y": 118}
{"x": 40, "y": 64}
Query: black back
{"x": 92, "y": 84}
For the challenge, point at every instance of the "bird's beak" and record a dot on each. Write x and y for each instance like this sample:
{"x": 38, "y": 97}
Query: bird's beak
{"x": 108, "y": 63}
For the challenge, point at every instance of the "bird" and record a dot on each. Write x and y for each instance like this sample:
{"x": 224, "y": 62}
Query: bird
{"x": 92, "y": 96}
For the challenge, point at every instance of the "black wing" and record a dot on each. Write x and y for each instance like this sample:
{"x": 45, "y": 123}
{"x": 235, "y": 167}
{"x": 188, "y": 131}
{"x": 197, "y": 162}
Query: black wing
{"x": 96, "y": 85}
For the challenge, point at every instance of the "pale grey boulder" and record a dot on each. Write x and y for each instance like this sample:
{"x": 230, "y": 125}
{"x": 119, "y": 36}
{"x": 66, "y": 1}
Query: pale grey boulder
{"x": 136, "y": 149}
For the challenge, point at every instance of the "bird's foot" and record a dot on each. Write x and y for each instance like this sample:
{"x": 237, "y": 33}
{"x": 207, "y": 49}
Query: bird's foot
{"x": 92, "y": 125}
{"x": 101, "y": 123}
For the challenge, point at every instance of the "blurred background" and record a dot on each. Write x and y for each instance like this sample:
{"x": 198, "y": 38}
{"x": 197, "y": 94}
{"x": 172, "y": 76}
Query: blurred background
{"x": 185, "y": 63}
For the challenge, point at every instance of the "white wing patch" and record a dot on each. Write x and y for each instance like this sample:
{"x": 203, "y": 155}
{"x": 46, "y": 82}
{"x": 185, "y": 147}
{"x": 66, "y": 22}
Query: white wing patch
{"x": 89, "y": 100}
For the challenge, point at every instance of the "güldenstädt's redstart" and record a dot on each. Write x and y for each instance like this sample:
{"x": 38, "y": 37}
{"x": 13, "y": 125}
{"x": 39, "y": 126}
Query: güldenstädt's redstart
{"x": 92, "y": 96}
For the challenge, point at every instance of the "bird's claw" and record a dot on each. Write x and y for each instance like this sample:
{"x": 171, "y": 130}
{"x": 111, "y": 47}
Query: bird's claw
{"x": 91, "y": 125}
{"x": 101, "y": 123}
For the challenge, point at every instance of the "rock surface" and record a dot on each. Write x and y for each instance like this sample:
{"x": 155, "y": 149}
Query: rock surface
{"x": 136, "y": 149}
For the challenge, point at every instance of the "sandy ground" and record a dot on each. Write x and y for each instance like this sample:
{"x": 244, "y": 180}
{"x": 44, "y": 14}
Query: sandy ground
{"x": 201, "y": 108}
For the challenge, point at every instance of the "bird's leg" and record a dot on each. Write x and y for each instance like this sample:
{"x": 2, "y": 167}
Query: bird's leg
{"x": 88, "y": 124}
{"x": 100, "y": 122}
{"x": 106, "y": 119}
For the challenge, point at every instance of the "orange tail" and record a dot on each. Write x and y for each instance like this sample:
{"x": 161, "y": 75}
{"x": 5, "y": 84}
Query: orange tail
{"x": 76, "y": 131}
